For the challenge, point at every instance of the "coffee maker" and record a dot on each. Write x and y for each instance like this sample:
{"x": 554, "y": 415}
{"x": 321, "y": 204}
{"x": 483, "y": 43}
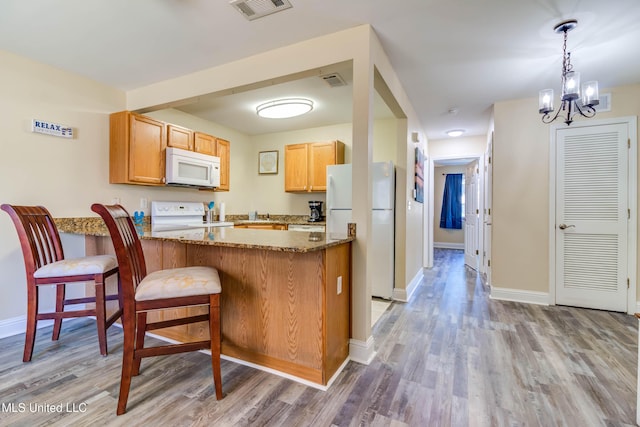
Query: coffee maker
{"x": 315, "y": 206}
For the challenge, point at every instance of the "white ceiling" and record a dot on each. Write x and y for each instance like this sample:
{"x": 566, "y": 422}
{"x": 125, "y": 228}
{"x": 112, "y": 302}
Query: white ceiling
{"x": 447, "y": 53}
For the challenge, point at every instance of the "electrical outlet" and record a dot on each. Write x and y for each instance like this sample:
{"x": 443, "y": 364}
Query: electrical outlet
{"x": 143, "y": 204}
{"x": 339, "y": 285}
{"x": 115, "y": 201}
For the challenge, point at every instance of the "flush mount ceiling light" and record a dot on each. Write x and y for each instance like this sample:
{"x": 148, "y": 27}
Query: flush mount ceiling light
{"x": 455, "y": 132}
{"x": 284, "y": 108}
{"x": 571, "y": 102}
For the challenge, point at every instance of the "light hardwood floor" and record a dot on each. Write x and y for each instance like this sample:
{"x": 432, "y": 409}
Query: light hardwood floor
{"x": 449, "y": 357}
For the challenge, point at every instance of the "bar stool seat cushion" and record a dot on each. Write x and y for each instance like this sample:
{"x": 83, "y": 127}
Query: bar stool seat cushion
{"x": 179, "y": 282}
{"x": 77, "y": 266}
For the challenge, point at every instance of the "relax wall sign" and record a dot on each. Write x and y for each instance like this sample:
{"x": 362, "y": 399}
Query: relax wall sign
{"x": 48, "y": 128}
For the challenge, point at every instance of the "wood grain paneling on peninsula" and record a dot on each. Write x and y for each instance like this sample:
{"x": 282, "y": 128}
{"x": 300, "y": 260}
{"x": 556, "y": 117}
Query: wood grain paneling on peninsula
{"x": 279, "y": 309}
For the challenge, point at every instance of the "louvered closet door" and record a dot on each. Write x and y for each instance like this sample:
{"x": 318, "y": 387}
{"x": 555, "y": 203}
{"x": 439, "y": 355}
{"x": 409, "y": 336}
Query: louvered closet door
{"x": 591, "y": 206}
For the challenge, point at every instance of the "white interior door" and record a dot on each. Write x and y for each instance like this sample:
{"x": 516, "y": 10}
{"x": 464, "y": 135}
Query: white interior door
{"x": 488, "y": 188}
{"x": 471, "y": 251}
{"x": 592, "y": 216}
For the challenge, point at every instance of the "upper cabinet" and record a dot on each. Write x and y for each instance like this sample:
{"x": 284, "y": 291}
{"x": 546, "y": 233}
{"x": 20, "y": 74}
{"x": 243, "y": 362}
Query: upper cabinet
{"x": 295, "y": 167}
{"x": 179, "y": 137}
{"x": 223, "y": 150}
{"x": 136, "y": 149}
{"x": 305, "y": 165}
{"x": 205, "y": 144}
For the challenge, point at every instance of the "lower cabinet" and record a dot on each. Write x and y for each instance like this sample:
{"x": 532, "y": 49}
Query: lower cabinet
{"x": 280, "y": 310}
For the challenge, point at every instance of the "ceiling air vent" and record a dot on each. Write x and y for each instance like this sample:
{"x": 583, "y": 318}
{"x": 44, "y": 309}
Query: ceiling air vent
{"x": 333, "y": 80}
{"x": 605, "y": 103}
{"x": 254, "y": 9}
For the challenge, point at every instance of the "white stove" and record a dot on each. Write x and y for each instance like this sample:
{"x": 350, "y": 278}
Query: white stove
{"x": 167, "y": 216}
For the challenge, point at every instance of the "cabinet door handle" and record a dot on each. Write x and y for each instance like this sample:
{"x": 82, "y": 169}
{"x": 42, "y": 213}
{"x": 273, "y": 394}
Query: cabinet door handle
{"x": 311, "y": 188}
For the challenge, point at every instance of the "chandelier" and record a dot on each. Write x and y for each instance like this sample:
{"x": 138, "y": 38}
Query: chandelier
{"x": 571, "y": 102}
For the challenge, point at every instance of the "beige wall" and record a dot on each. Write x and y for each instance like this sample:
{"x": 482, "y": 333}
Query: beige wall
{"x": 268, "y": 192}
{"x": 385, "y": 140}
{"x": 444, "y": 235}
{"x": 65, "y": 175}
{"x": 520, "y": 245}
{"x": 461, "y": 147}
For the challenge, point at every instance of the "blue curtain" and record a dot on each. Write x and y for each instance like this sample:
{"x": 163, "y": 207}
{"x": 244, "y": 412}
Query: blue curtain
{"x": 451, "y": 215}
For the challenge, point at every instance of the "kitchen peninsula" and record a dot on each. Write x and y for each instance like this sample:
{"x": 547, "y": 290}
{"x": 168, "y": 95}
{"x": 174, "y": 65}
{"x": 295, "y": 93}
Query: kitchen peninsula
{"x": 285, "y": 294}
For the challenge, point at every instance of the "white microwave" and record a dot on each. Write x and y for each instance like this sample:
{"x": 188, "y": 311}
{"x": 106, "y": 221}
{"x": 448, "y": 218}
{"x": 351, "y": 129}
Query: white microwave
{"x": 191, "y": 169}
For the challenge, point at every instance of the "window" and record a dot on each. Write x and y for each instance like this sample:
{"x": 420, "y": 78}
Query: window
{"x": 452, "y": 212}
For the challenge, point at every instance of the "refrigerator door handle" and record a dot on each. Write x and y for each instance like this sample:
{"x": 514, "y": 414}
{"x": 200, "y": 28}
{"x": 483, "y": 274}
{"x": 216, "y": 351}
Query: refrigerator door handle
{"x": 329, "y": 184}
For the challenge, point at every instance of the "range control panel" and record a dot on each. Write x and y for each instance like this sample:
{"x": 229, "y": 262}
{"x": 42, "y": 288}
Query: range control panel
{"x": 176, "y": 209}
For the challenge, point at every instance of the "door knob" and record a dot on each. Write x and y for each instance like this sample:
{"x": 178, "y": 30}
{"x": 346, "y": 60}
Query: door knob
{"x": 565, "y": 226}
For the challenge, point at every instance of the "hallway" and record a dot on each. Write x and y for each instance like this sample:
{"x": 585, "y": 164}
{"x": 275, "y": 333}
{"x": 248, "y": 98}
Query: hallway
{"x": 449, "y": 357}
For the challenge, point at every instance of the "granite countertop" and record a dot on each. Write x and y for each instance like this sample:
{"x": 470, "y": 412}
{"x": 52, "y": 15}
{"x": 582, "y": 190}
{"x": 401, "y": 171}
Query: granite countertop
{"x": 275, "y": 240}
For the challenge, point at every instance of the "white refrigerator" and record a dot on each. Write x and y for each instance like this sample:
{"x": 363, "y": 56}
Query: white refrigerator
{"x": 338, "y": 211}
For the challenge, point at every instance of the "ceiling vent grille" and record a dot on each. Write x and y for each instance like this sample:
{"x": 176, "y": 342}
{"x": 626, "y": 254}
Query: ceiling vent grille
{"x": 605, "y": 103}
{"x": 333, "y": 80}
{"x": 254, "y": 9}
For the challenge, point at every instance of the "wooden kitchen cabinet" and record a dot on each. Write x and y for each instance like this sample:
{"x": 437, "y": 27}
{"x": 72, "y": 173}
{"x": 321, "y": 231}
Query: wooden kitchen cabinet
{"x": 291, "y": 287}
{"x": 208, "y": 144}
{"x": 136, "y": 149}
{"x": 179, "y": 137}
{"x": 223, "y": 150}
{"x": 295, "y": 167}
{"x": 205, "y": 144}
{"x": 305, "y": 165}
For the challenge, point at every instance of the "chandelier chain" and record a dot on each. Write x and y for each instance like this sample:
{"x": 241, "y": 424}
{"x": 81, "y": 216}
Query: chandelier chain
{"x": 566, "y": 60}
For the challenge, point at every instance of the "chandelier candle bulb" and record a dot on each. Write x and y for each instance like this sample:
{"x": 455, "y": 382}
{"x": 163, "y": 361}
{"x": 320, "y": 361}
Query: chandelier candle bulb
{"x": 590, "y": 94}
{"x": 571, "y": 86}
{"x": 545, "y": 103}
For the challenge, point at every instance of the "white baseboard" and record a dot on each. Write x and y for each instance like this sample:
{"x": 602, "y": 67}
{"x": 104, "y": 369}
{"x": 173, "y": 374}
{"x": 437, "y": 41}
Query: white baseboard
{"x": 404, "y": 295}
{"x": 362, "y": 352}
{"x": 517, "y": 295}
{"x": 18, "y": 325}
{"x": 446, "y": 245}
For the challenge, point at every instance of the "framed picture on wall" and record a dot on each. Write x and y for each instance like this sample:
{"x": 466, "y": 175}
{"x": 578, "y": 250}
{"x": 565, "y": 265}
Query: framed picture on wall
{"x": 418, "y": 193}
{"x": 268, "y": 162}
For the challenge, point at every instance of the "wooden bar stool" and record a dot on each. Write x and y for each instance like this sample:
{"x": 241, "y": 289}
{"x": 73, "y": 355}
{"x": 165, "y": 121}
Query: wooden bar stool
{"x": 170, "y": 288}
{"x": 45, "y": 265}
